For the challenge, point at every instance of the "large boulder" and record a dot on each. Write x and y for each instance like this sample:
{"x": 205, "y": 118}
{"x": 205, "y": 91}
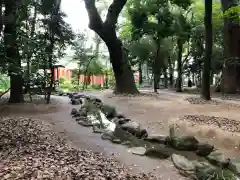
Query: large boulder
{"x": 155, "y": 138}
{"x": 182, "y": 163}
{"x": 108, "y": 135}
{"x": 70, "y": 95}
{"x": 185, "y": 143}
{"x": 158, "y": 151}
{"x": 76, "y": 101}
{"x": 80, "y": 95}
{"x": 135, "y": 129}
{"x": 138, "y": 150}
{"x": 219, "y": 159}
{"x": 234, "y": 166}
{"x": 109, "y": 111}
{"x": 204, "y": 149}
{"x": 120, "y": 121}
{"x": 74, "y": 111}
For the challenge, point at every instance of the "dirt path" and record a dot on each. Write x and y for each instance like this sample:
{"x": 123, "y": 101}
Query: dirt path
{"x": 155, "y": 113}
{"x": 83, "y": 138}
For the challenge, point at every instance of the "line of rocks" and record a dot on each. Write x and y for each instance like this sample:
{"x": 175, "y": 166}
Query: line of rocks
{"x": 131, "y": 134}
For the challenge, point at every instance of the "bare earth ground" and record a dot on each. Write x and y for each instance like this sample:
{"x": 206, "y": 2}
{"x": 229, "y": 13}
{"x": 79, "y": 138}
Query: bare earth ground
{"x": 156, "y": 113}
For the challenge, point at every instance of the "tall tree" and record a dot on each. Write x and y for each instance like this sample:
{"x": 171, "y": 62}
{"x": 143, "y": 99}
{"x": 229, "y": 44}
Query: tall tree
{"x": 107, "y": 31}
{"x": 231, "y": 46}
{"x": 208, "y": 50}
{"x": 11, "y": 49}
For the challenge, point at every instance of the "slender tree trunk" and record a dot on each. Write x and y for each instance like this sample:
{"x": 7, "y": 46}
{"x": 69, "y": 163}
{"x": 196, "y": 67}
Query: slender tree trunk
{"x": 179, "y": 65}
{"x": 156, "y": 68}
{"x": 140, "y": 73}
{"x": 12, "y": 54}
{"x": 1, "y": 16}
{"x": 79, "y": 74}
{"x": 171, "y": 71}
{"x": 50, "y": 62}
{"x": 165, "y": 78}
{"x": 208, "y": 51}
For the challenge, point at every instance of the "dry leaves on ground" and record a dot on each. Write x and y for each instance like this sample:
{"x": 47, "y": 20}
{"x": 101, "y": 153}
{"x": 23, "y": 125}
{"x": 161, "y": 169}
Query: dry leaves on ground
{"x": 196, "y": 100}
{"x": 30, "y": 150}
{"x": 225, "y": 124}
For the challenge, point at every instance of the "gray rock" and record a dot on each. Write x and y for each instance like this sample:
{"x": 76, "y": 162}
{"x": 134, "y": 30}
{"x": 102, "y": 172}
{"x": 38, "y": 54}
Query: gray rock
{"x": 234, "y": 166}
{"x": 76, "y": 101}
{"x": 135, "y": 129}
{"x": 204, "y": 149}
{"x": 120, "y": 115}
{"x": 109, "y": 111}
{"x": 120, "y": 121}
{"x": 107, "y": 135}
{"x": 74, "y": 111}
{"x": 126, "y": 143}
{"x": 138, "y": 150}
{"x": 116, "y": 141}
{"x": 82, "y": 113}
{"x": 156, "y": 138}
{"x": 182, "y": 163}
{"x": 97, "y": 130}
{"x": 85, "y": 124}
{"x": 158, "y": 151}
{"x": 83, "y": 119}
{"x": 185, "y": 143}
{"x": 218, "y": 158}
{"x": 80, "y": 95}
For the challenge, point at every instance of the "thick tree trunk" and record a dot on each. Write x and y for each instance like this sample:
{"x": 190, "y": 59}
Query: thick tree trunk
{"x": 107, "y": 31}
{"x": 16, "y": 90}
{"x": 231, "y": 49}
{"x": 12, "y": 54}
{"x": 122, "y": 71}
{"x": 179, "y": 66}
{"x": 205, "y": 93}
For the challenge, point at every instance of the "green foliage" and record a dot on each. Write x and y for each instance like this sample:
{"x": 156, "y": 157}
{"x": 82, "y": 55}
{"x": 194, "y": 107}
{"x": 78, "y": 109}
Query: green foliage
{"x": 4, "y": 83}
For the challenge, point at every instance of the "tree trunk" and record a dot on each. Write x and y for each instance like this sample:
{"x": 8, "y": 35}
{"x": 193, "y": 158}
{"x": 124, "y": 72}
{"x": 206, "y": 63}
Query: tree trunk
{"x": 179, "y": 66}
{"x": 122, "y": 71}
{"x": 16, "y": 91}
{"x": 231, "y": 48}
{"x": 171, "y": 71}
{"x": 165, "y": 78}
{"x": 156, "y": 67}
{"x": 12, "y": 54}
{"x": 50, "y": 63}
{"x": 107, "y": 31}
{"x": 140, "y": 73}
{"x": 205, "y": 93}
{"x": 79, "y": 74}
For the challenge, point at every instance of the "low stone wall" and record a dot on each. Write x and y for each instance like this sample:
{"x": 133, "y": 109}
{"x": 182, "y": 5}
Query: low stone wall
{"x": 209, "y": 163}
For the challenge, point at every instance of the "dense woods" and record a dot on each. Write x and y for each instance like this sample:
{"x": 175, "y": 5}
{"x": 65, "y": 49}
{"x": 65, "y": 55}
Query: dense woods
{"x": 198, "y": 40}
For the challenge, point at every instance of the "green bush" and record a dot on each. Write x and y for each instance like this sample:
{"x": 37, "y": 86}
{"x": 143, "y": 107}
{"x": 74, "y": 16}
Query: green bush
{"x": 4, "y": 83}
{"x": 96, "y": 86}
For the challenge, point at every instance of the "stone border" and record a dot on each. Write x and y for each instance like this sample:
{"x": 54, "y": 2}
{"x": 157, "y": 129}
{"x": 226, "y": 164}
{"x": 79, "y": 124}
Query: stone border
{"x": 118, "y": 129}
